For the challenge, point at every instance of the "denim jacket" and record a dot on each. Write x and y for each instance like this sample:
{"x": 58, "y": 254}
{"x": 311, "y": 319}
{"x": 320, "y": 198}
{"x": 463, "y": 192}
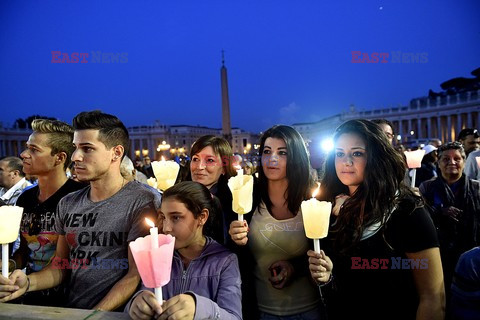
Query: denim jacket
{"x": 213, "y": 279}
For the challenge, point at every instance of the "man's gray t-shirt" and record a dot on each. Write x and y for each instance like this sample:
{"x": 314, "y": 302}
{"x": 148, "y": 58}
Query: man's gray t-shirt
{"x": 100, "y": 232}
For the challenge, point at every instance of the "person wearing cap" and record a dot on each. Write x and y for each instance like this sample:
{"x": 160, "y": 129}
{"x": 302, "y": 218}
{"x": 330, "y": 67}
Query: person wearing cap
{"x": 470, "y": 139}
{"x": 429, "y": 166}
{"x": 454, "y": 202}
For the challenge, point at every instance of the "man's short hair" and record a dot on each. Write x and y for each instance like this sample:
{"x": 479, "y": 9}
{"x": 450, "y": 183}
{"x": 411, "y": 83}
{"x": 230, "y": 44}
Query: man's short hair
{"x": 384, "y": 121}
{"x": 468, "y": 132}
{"x": 112, "y": 132}
{"x": 14, "y": 163}
{"x": 60, "y": 136}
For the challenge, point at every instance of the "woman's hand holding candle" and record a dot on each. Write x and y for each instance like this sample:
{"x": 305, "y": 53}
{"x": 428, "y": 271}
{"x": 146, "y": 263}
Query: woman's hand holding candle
{"x": 320, "y": 266}
{"x": 238, "y": 232}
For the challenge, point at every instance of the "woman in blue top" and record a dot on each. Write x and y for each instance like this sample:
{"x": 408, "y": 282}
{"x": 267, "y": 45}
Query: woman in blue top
{"x": 205, "y": 279}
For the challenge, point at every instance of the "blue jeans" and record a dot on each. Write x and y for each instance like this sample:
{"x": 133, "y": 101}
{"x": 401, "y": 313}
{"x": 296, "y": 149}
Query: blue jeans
{"x": 314, "y": 314}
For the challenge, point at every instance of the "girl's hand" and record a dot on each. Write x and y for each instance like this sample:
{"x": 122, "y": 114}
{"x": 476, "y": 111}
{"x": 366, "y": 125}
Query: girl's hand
{"x": 238, "y": 232}
{"x": 145, "y": 306}
{"x": 282, "y": 272}
{"x": 181, "y": 307}
{"x": 320, "y": 266}
{"x": 339, "y": 200}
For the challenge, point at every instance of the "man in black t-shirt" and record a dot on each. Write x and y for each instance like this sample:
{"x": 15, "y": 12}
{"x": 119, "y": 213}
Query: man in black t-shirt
{"x": 48, "y": 153}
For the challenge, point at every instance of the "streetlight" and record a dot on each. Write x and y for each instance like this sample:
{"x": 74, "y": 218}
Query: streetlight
{"x": 163, "y": 146}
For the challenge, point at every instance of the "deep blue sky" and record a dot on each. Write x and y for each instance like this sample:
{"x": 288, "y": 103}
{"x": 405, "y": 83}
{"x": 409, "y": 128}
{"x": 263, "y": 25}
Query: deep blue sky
{"x": 288, "y": 61}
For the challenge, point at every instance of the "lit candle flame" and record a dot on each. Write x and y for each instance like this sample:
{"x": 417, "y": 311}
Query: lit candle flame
{"x": 150, "y": 223}
{"x": 316, "y": 191}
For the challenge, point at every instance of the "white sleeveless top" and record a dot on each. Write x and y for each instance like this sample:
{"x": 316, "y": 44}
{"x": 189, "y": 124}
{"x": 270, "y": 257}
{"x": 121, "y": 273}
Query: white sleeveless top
{"x": 271, "y": 240}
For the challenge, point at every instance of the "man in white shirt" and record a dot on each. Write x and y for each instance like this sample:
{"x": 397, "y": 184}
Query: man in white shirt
{"x": 471, "y": 166}
{"x": 12, "y": 180}
{"x": 12, "y": 183}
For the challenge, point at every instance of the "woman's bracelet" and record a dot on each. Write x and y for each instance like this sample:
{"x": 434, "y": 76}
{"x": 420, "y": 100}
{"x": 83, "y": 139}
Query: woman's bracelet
{"x": 325, "y": 283}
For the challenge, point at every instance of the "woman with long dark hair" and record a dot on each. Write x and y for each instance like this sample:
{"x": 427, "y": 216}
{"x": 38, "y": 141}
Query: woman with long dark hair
{"x": 276, "y": 237}
{"x": 382, "y": 240}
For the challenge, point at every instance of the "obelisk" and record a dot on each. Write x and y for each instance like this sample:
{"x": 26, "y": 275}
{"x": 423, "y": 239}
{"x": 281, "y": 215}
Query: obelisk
{"x": 226, "y": 126}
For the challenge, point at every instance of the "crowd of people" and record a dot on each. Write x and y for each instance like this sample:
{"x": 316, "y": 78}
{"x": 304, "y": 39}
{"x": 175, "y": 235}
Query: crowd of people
{"x": 392, "y": 252}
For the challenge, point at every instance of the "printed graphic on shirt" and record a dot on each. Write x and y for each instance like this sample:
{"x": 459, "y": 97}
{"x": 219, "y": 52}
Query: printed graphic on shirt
{"x": 84, "y": 242}
{"x": 43, "y": 244}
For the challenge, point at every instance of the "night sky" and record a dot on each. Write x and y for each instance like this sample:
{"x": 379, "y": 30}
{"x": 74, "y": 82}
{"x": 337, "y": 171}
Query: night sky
{"x": 288, "y": 61}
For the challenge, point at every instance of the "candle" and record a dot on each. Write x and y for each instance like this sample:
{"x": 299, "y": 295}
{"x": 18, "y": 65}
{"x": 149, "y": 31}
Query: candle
{"x": 153, "y": 233}
{"x": 154, "y": 241}
{"x": 154, "y": 264}
{"x": 166, "y": 173}
{"x": 414, "y": 160}
{"x": 10, "y": 217}
{"x": 316, "y": 218}
{"x": 240, "y": 177}
{"x": 5, "y": 260}
{"x": 241, "y": 187}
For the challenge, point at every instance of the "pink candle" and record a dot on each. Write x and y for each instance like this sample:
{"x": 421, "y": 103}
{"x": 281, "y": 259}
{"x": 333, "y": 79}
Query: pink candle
{"x": 414, "y": 158}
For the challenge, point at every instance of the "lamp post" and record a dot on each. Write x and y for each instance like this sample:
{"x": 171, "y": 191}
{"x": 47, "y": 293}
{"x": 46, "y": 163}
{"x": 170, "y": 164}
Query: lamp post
{"x": 163, "y": 147}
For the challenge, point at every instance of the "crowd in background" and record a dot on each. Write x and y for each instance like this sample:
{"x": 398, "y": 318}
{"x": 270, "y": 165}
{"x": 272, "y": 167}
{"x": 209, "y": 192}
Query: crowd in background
{"x": 84, "y": 201}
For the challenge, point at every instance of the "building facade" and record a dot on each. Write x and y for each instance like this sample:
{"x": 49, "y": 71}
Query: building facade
{"x": 424, "y": 119}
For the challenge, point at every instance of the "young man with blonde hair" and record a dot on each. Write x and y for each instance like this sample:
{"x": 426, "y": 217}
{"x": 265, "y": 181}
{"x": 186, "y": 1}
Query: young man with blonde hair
{"x": 47, "y": 155}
